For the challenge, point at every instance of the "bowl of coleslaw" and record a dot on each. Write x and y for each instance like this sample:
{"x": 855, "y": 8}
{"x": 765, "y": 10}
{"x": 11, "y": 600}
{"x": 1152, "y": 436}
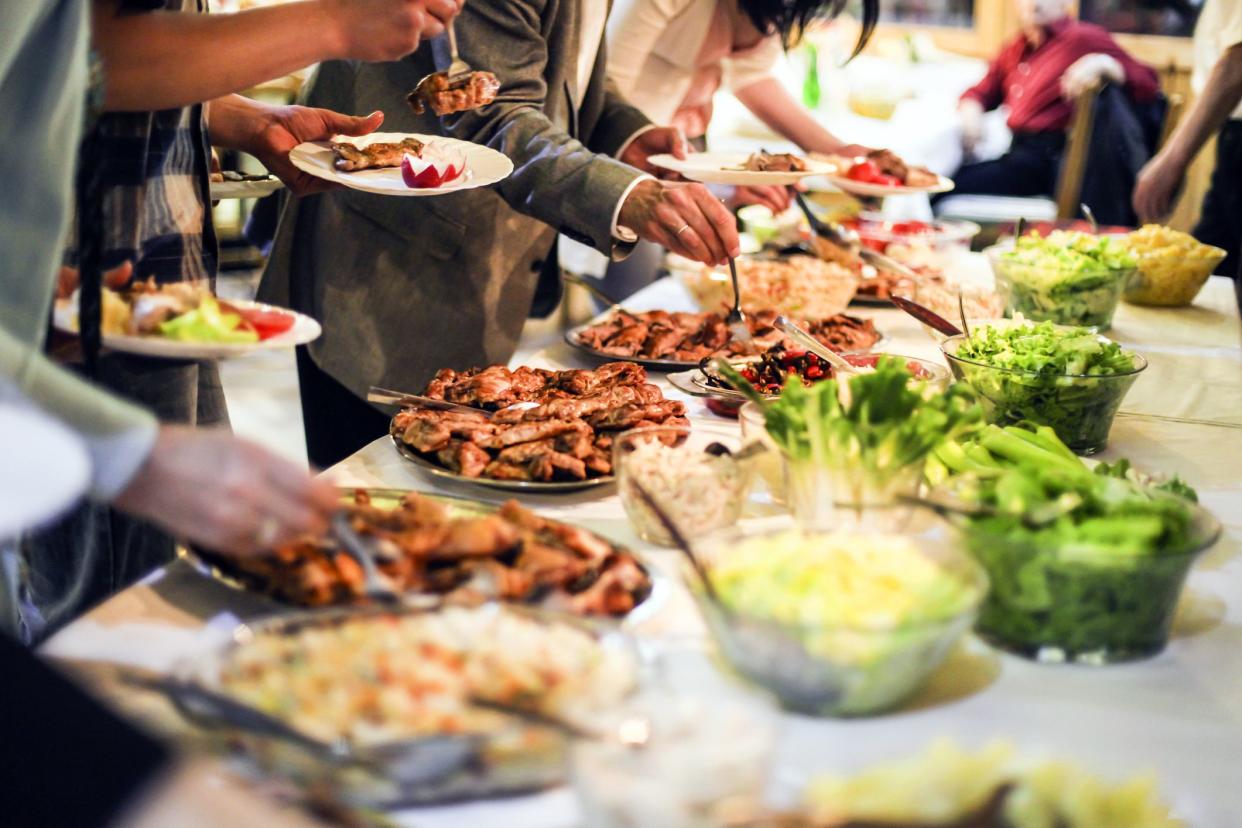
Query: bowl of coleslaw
{"x": 700, "y": 490}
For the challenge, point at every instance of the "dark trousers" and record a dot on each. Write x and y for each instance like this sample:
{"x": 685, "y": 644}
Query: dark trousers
{"x": 1029, "y": 168}
{"x": 337, "y": 422}
{"x": 1220, "y": 223}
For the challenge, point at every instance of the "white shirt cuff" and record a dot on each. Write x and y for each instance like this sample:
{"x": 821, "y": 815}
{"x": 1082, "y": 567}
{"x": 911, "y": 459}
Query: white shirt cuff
{"x": 620, "y": 233}
{"x": 116, "y": 458}
{"x": 632, "y": 139}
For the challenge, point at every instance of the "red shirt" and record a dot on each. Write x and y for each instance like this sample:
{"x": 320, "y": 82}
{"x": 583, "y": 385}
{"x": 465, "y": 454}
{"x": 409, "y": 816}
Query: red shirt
{"x": 1028, "y": 79}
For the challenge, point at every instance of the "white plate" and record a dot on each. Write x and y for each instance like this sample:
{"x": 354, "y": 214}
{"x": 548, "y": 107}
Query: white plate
{"x": 45, "y": 469}
{"x": 305, "y": 329}
{"x": 484, "y": 166}
{"x": 710, "y": 168}
{"x": 245, "y": 189}
{"x": 849, "y": 185}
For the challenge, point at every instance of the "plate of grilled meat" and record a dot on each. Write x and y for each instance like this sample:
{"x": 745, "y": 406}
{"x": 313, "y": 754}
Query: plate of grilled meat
{"x": 738, "y": 169}
{"x": 678, "y": 340}
{"x": 449, "y": 550}
{"x": 529, "y": 429}
{"x": 394, "y": 163}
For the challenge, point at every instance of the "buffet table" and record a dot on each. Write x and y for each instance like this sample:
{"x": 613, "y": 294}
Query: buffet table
{"x": 1179, "y": 714}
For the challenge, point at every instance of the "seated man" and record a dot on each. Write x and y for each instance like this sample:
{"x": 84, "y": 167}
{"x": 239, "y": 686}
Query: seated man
{"x": 1037, "y": 75}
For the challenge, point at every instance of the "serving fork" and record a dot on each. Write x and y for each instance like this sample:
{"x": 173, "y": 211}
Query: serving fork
{"x": 736, "y": 320}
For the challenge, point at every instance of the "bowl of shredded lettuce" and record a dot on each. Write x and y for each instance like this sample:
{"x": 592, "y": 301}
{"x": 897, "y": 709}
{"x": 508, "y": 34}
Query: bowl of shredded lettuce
{"x": 1069, "y": 278}
{"x": 837, "y": 624}
{"x": 1068, "y": 378}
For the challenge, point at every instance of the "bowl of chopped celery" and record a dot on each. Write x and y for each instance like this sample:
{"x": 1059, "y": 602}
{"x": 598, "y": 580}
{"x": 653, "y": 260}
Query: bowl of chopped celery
{"x": 852, "y": 445}
{"x": 835, "y": 623}
{"x": 1068, "y": 378}
{"x": 1066, "y": 277}
{"x": 1086, "y": 564}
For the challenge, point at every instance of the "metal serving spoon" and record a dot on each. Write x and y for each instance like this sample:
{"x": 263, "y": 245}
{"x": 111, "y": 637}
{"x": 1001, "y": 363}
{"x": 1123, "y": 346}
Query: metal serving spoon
{"x": 795, "y": 332}
{"x": 386, "y": 396}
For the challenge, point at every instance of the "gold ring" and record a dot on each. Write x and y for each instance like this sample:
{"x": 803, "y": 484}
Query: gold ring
{"x": 267, "y": 533}
{"x": 682, "y": 229}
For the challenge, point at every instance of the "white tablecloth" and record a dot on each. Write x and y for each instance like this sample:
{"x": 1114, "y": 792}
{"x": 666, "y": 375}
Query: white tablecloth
{"x": 1179, "y": 714}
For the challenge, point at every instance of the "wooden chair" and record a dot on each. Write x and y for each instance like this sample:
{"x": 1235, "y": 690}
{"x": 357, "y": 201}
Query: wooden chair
{"x": 1074, "y": 162}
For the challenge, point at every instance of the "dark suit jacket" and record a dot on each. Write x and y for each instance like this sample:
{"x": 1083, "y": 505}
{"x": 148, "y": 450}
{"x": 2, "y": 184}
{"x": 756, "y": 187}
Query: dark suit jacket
{"x": 405, "y": 286}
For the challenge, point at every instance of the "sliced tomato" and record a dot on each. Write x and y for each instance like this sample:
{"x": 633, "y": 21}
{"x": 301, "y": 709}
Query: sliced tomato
{"x": 267, "y": 323}
{"x": 865, "y": 171}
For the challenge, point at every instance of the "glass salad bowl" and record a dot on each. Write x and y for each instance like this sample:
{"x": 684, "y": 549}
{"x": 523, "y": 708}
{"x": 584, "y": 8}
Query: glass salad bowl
{"x": 701, "y": 491}
{"x": 1066, "y": 296}
{"x": 1059, "y": 602}
{"x": 1079, "y": 407}
{"x": 789, "y": 625}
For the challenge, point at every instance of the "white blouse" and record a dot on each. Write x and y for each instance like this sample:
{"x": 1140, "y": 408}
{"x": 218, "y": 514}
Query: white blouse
{"x": 656, "y": 50}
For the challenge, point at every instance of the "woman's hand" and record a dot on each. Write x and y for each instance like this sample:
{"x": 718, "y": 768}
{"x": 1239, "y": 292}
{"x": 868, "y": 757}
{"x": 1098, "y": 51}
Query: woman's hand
{"x": 776, "y": 199}
{"x": 655, "y": 141}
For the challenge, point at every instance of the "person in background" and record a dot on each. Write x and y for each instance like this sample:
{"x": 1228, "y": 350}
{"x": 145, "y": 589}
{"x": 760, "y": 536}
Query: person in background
{"x": 1217, "y": 110}
{"x": 143, "y": 206}
{"x": 669, "y": 58}
{"x": 407, "y": 286}
{"x": 207, "y": 487}
{"x": 1038, "y": 75}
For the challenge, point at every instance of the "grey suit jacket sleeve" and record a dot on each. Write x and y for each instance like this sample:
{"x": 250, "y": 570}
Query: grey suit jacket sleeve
{"x": 556, "y": 178}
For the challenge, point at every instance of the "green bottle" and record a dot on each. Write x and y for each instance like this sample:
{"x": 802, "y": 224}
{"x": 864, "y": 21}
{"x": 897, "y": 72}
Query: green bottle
{"x": 810, "y": 84}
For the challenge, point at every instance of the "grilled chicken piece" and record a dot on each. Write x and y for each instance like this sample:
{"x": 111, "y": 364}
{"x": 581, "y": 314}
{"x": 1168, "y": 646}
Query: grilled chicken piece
{"x": 527, "y": 432}
{"x": 550, "y": 566}
{"x": 464, "y": 457}
{"x": 351, "y": 158}
{"x": 473, "y": 537}
{"x": 435, "y": 91}
{"x": 629, "y": 415}
{"x": 774, "y": 162}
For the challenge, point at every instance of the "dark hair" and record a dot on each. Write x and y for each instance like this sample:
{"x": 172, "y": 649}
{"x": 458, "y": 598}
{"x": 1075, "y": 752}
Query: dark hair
{"x": 789, "y": 18}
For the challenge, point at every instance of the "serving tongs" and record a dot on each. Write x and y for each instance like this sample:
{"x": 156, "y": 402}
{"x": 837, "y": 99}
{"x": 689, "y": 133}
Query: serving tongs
{"x": 375, "y": 584}
{"x": 849, "y": 240}
{"x": 409, "y": 762}
{"x": 591, "y": 287}
{"x": 797, "y": 334}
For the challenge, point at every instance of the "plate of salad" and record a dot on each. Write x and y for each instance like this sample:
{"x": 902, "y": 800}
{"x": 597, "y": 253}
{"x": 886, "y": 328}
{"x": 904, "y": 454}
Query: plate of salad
{"x": 1086, "y": 562}
{"x": 1066, "y": 277}
{"x": 185, "y": 320}
{"x": 1070, "y": 379}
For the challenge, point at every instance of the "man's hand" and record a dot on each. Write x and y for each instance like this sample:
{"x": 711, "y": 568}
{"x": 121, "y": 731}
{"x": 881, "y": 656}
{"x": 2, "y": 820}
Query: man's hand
{"x": 685, "y": 218}
{"x": 68, "y": 278}
{"x": 970, "y": 117}
{"x": 1156, "y": 186}
{"x": 776, "y": 199}
{"x": 278, "y": 129}
{"x": 379, "y": 30}
{"x": 654, "y": 142}
{"x": 229, "y": 495}
{"x": 1089, "y": 71}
